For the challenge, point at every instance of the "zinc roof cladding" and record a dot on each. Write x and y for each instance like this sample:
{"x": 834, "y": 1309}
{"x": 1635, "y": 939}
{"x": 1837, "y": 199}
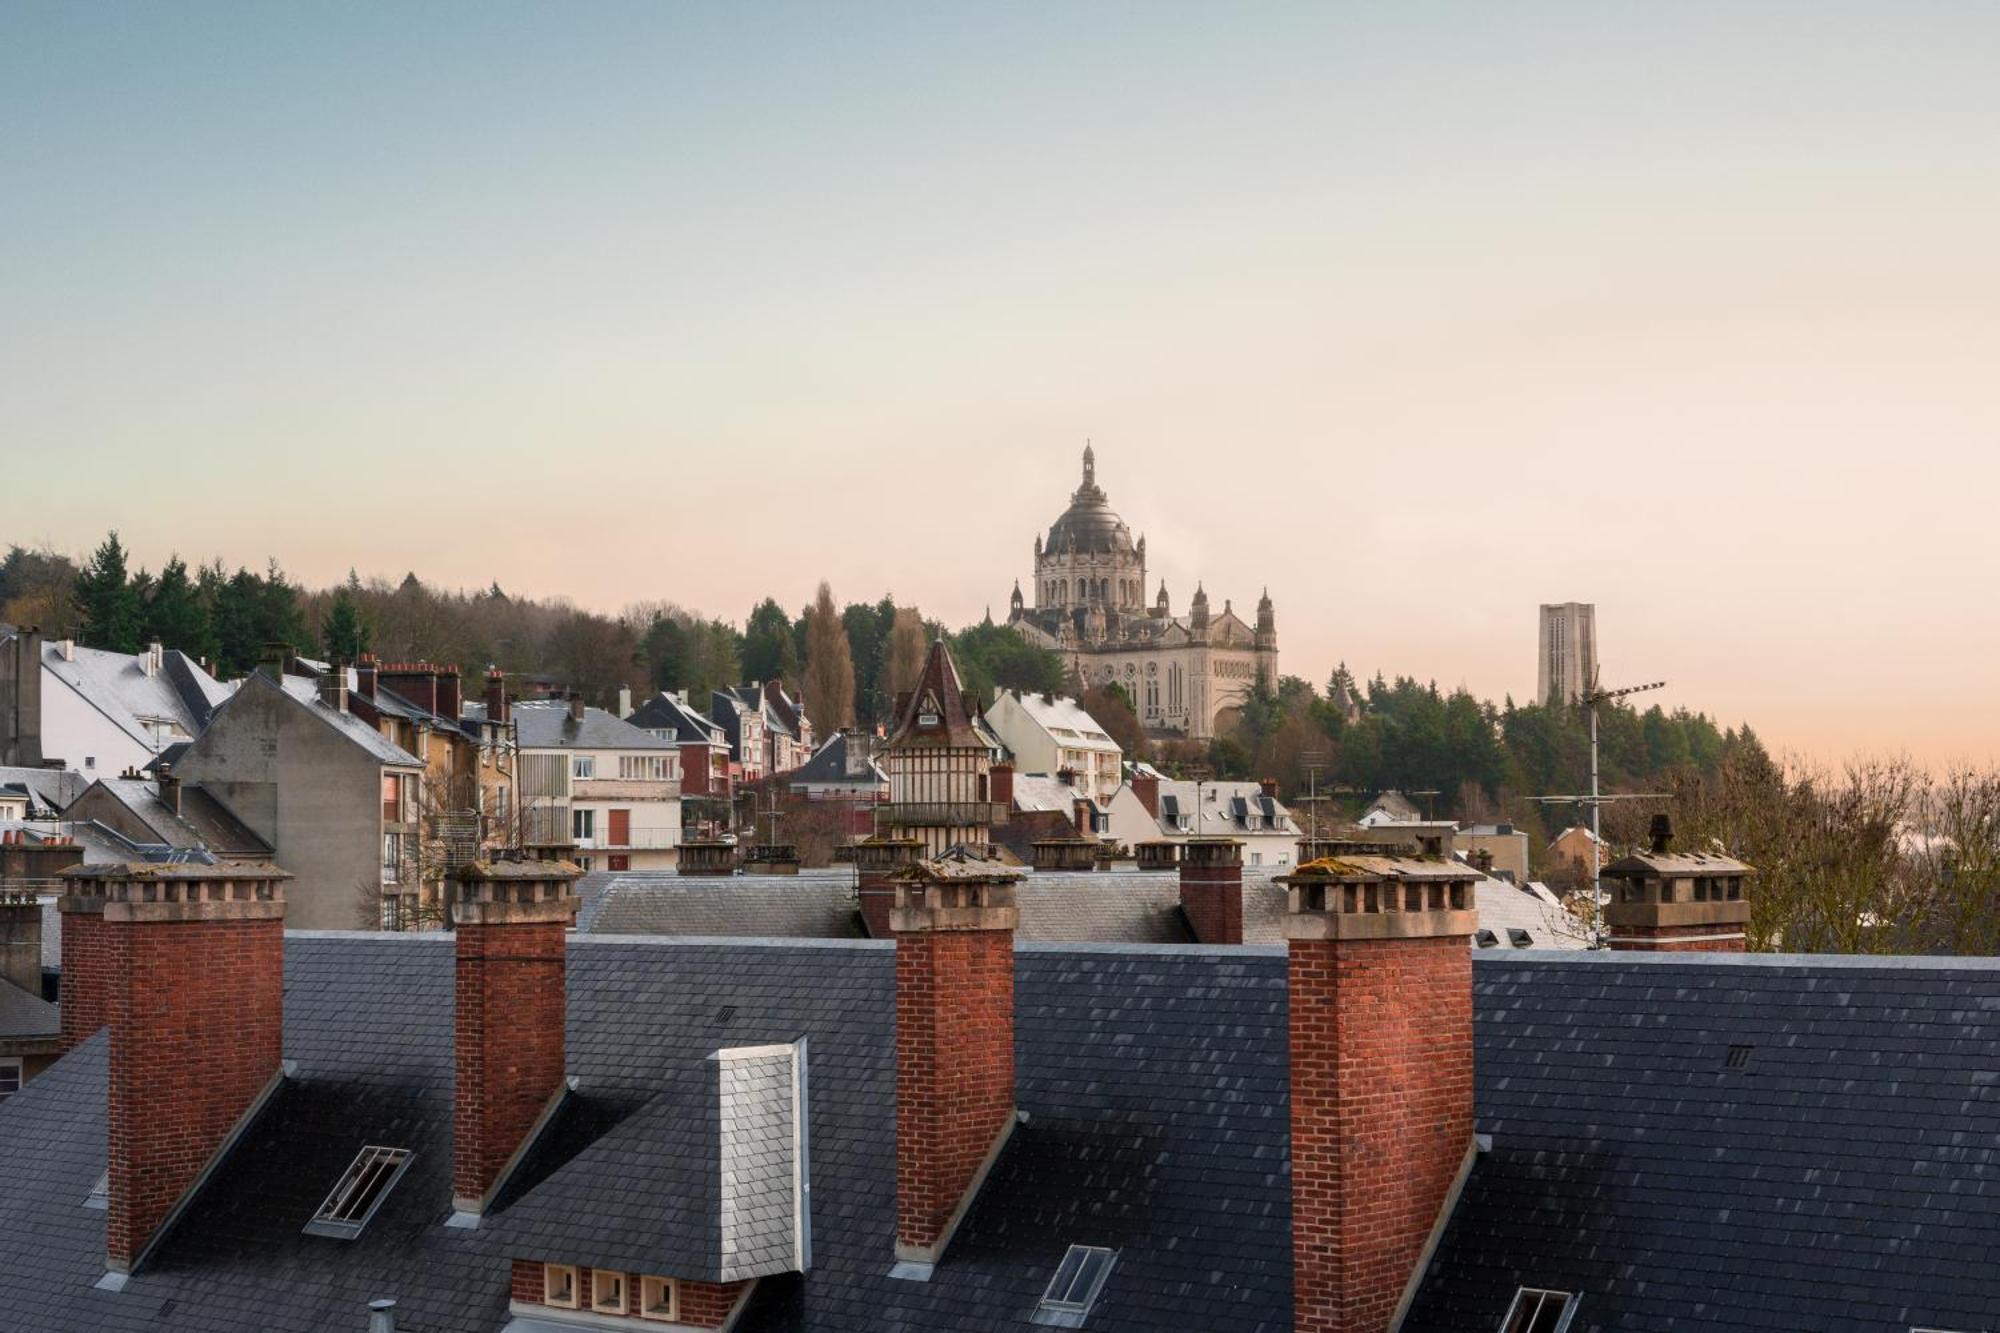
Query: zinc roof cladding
{"x": 304, "y": 691}
{"x": 1845, "y": 1177}
{"x": 118, "y": 686}
{"x": 547, "y": 725}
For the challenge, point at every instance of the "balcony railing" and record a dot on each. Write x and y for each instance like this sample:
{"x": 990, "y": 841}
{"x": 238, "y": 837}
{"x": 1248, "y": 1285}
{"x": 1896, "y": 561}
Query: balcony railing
{"x": 639, "y": 840}
{"x": 942, "y": 814}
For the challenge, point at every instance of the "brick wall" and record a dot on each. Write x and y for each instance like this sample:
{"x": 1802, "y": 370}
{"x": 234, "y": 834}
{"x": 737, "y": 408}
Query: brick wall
{"x": 1212, "y": 897}
{"x": 702, "y": 1304}
{"x": 197, "y": 1018}
{"x": 86, "y": 974}
{"x": 1381, "y": 1069}
{"x": 509, "y": 1036}
{"x": 954, "y": 1068}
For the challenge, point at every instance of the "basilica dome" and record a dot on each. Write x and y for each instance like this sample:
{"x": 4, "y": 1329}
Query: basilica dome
{"x": 1089, "y": 522}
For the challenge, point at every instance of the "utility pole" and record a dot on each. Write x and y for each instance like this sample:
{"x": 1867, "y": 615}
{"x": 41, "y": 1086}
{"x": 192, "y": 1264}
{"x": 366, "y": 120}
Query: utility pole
{"x": 1591, "y": 699}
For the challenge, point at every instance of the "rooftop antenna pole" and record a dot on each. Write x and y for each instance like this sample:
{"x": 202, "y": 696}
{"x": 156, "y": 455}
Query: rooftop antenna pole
{"x": 1314, "y": 760}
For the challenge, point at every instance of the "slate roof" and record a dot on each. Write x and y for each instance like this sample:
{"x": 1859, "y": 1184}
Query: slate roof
{"x": 937, "y": 686}
{"x": 804, "y": 906}
{"x": 202, "y": 822}
{"x": 828, "y": 768}
{"x": 52, "y": 788}
{"x": 1843, "y": 1176}
{"x": 119, "y": 687}
{"x": 26, "y": 1015}
{"x": 305, "y": 692}
{"x": 664, "y": 712}
{"x": 1227, "y": 810}
{"x": 546, "y": 725}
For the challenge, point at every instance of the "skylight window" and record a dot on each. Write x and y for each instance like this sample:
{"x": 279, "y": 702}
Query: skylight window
{"x": 1538, "y": 1311}
{"x": 100, "y": 1193}
{"x": 360, "y": 1192}
{"x": 1073, "y": 1290}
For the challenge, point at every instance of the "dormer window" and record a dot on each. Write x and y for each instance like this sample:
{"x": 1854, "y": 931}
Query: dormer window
{"x": 659, "y": 1299}
{"x": 1537, "y": 1311}
{"x": 559, "y": 1286}
{"x": 607, "y": 1291}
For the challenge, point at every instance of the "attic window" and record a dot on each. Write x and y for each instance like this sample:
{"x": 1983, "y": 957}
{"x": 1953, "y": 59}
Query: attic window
{"x": 360, "y": 1192}
{"x": 1487, "y": 939}
{"x": 659, "y": 1298}
{"x": 1537, "y": 1311}
{"x": 559, "y": 1285}
{"x": 607, "y": 1291}
{"x": 1074, "y": 1289}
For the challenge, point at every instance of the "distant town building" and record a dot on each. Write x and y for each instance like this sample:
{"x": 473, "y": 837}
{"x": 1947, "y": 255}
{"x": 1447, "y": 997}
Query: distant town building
{"x": 1089, "y": 605}
{"x": 1567, "y": 658}
{"x": 705, "y": 753}
{"x": 940, "y": 765}
{"x": 97, "y": 712}
{"x": 1052, "y": 735}
{"x": 1154, "y": 808}
{"x": 597, "y": 782}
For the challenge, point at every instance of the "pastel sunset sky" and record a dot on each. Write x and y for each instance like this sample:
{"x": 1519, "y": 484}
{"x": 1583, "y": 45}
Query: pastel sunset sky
{"x": 1420, "y": 314}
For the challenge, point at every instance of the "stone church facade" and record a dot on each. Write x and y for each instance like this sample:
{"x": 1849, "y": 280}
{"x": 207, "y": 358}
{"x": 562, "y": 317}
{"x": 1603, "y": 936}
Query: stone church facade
{"x": 1089, "y": 605}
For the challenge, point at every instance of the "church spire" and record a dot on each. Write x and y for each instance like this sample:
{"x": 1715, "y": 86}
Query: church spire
{"x": 1089, "y": 465}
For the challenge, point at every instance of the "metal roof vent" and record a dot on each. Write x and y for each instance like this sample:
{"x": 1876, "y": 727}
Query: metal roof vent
{"x": 1074, "y": 1288}
{"x": 1738, "y": 1057}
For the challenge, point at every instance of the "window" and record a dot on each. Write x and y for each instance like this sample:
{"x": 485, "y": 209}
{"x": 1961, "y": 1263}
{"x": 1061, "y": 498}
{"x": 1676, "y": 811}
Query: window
{"x": 559, "y": 1285}
{"x": 607, "y": 1291}
{"x": 659, "y": 1298}
{"x": 10, "y": 1078}
{"x": 582, "y": 824}
{"x": 583, "y": 765}
{"x": 1535, "y": 1311}
{"x": 618, "y": 861}
{"x": 392, "y": 858}
{"x": 359, "y": 1193}
{"x": 1074, "y": 1288}
{"x": 392, "y": 799}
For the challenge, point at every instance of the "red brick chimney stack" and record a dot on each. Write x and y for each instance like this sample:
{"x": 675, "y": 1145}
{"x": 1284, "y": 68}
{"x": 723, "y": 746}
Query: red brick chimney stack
{"x": 1000, "y": 785}
{"x": 1212, "y": 889}
{"x": 1146, "y": 786}
{"x": 1380, "y": 981}
{"x": 365, "y": 668}
{"x": 496, "y": 696}
{"x": 508, "y": 1029}
{"x": 954, "y": 925}
{"x": 1269, "y": 787}
{"x": 190, "y": 974}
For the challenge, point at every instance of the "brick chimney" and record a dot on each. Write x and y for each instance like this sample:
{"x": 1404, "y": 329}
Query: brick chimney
{"x": 85, "y": 980}
{"x": 365, "y": 669}
{"x": 1663, "y": 901}
{"x": 876, "y": 860}
{"x": 450, "y": 693}
{"x": 21, "y": 941}
{"x": 1269, "y": 787}
{"x": 508, "y": 1030}
{"x": 192, "y": 978}
{"x": 954, "y": 927}
{"x": 169, "y": 785}
{"x": 496, "y": 696}
{"x": 575, "y": 706}
{"x": 1146, "y": 786}
{"x": 333, "y": 686}
{"x": 1000, "y": 785}
{"x": 1380, "y": 977}
{"x": 1212, "y": 889}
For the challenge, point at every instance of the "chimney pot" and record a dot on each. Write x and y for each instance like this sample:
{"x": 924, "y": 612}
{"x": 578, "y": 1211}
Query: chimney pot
{"x": 381, "y": 1317}
{"x": 575, "y": 706}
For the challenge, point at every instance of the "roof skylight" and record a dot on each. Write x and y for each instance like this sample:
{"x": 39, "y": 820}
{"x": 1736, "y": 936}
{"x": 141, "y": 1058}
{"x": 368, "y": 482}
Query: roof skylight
{"x": 360, "y": 1192}
{"x": 1074, "y": 1288}
{"x": 1538, "y": 1311}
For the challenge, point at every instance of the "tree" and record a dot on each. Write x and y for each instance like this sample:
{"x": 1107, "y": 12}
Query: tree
{"x": 769, "y": 650}
{"x": 903, "y": 661}
{"x": 109, "y": 604}
{"x": 175, "y": 614}
{"x": 38, "y": 588}
{"x": 345, "y": 634}
{"x": 828, "y": 688}
{"x": 1112, "y": 709}
{"x": 868, "y": 644}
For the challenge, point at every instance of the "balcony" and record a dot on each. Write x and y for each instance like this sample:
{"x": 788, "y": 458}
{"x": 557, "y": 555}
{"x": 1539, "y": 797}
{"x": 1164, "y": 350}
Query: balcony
{"x": 625, "y": 789}
{"x": 942, "y": 814}
{"x": 639, "y": 840}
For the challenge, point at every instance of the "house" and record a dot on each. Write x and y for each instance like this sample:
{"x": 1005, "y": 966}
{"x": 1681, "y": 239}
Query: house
{"x": 30, "y": 1026}
{"x": 842, "y": 770}
{"x": 1573, "y": 854}
{"x": 705, "y": 752}
{"x": 167, "y": 818}
{"x": 97, "y": 712}
{"x": 940, "y": 764}
{"x": 993, "y": 1134}
{"x": 768, "y": 731}
{"x": 1051, "y": 734}
{"x": 594, "y": 782}
{"x": 1151, "y": 807}
{"x": 1391, "y": 807}
{"x": 1504, "y": 847}
{"x": 39, "y": 793}
{"x": 337, "y": 803}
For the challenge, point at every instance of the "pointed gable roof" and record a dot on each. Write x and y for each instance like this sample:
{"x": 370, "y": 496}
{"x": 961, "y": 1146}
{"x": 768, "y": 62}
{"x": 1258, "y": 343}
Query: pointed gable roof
{"x": 936, "y": 712}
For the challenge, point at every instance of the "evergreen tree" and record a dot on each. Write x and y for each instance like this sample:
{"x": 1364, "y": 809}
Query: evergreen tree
{"x": 174, "y": 614}
{"x": 109, "y": 603}
{"x": 770, "y": 652}
{"x": 345, "y": 635}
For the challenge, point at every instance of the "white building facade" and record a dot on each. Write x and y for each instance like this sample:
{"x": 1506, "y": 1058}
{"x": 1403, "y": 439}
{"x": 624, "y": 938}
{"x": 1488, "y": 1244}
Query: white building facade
{"x": 606, "y": 787}
{"x": 1052, "y": 735}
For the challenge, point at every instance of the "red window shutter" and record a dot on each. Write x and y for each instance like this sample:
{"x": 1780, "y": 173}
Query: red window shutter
{"x": 621, "y": 828}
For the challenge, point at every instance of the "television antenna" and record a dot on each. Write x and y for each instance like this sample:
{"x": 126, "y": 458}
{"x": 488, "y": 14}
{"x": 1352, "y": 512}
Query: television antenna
{"x": 1596, "y": 800}
{"x": 1313, "y": 761}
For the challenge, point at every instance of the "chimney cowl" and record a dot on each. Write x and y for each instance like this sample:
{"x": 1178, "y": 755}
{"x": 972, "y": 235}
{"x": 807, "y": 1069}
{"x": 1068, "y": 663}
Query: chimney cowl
{"x": 1661, "y": 833}
{"x": 575, "y": 706}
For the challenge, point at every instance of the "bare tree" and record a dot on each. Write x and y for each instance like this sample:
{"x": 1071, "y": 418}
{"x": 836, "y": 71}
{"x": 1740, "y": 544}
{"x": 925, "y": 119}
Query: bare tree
{"x": 903, "y": 663}
{"x": 828, "y": 688}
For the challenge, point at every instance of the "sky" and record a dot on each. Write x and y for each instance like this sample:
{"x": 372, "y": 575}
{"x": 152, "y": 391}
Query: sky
{"x": 1419, "y": 314}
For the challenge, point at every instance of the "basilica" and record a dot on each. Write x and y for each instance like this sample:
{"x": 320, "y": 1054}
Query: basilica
{"x": 1182, "y": 673}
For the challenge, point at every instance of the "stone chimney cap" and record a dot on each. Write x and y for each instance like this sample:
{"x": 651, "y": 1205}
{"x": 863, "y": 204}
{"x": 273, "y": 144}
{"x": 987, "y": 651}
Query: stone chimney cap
{"x": 516, "y": 871}
{"x": 163, "y": 871}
